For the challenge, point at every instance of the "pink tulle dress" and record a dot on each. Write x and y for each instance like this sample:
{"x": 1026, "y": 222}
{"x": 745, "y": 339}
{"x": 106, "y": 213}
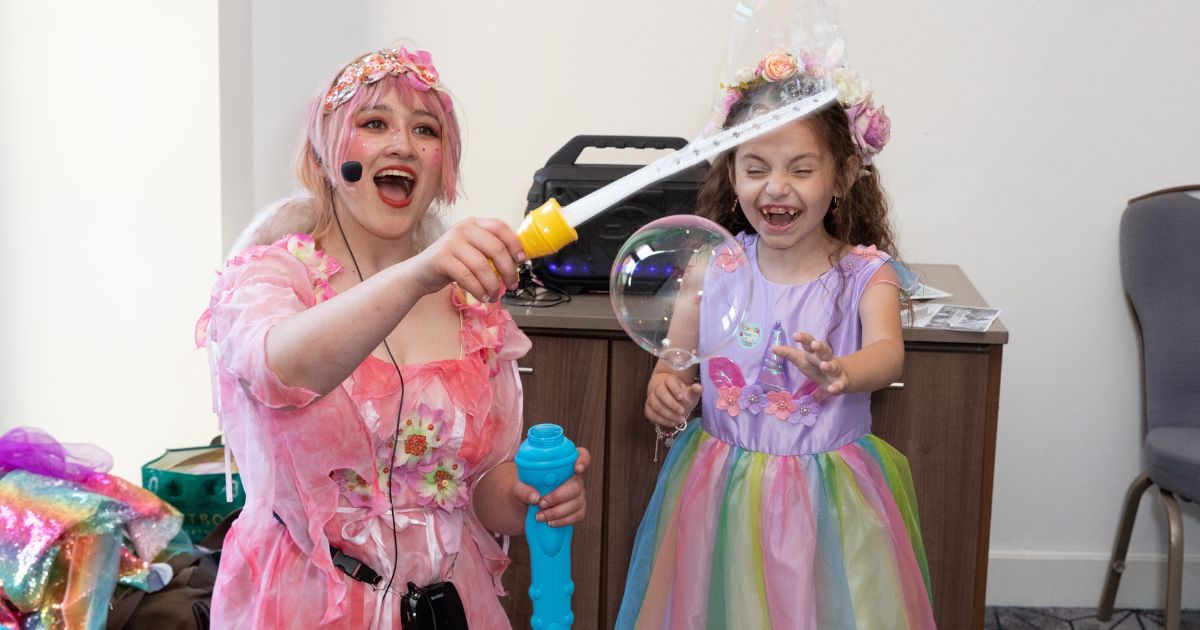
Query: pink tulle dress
{"x": 322, "y": 464}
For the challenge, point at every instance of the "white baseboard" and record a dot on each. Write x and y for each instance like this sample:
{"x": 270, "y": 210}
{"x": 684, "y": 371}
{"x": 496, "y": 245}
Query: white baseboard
{"x": 1076, "y": 579}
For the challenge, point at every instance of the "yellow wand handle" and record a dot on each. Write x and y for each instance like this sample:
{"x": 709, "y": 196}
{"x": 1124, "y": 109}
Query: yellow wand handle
{"x": 545, "y": 231}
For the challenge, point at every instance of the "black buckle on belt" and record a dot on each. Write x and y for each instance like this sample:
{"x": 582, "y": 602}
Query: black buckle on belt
{"x": 347, "y": 563}
{"x": 354, "y": 567}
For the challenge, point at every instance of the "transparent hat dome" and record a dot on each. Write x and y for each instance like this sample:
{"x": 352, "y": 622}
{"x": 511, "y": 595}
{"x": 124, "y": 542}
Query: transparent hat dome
{"x": 780, "y": 52}
{"x": 680, "y": 288}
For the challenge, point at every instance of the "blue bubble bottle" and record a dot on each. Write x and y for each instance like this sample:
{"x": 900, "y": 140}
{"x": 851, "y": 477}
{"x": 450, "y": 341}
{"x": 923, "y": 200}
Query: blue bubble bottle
{"x": 544, "y": 460}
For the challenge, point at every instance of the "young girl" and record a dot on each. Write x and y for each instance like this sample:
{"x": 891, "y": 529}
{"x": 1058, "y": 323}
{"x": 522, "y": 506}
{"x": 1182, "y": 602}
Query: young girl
{"x": 365, "y": 375}
{"x": 779, "y": 509}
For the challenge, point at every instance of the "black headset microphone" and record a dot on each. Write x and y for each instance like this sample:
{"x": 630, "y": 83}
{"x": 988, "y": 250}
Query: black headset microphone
{"x": 351, "y": 171}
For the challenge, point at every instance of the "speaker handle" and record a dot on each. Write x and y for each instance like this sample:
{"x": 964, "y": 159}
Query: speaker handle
{"x": 570, "y": 151}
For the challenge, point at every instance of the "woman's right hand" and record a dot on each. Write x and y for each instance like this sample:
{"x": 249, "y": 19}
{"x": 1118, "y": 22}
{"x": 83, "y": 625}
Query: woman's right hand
{"x": 669, "y": 400}
{"x": 463, "y": 254}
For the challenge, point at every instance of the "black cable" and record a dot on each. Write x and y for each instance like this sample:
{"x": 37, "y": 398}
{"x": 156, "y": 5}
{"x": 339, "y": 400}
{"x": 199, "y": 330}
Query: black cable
{"x": 399, "y": 413}
{"x": 533, "y": 292}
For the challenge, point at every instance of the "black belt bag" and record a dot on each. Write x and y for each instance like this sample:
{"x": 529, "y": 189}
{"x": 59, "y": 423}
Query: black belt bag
{"x": 433, "y": 607}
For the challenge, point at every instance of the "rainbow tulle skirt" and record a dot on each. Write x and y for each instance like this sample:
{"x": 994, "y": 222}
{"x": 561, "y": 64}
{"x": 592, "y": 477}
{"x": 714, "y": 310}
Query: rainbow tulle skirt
{"x": 741, "y": 539}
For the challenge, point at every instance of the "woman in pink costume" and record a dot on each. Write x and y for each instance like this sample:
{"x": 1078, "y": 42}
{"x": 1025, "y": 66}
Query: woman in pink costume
{"x": 778, "y": 508}
{"x": 365, "y": 375}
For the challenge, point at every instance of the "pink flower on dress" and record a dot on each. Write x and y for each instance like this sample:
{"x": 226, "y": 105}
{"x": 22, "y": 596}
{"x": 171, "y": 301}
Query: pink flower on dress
{"x": 355, "y": 488}
{"x": 321, "y": 266}
{"x": 730, "y": 259}
{"x": 484, "y": 328}
{"x": 780, "y": 405}
{"x": 441, "y": 482}
{"x": 419, "y": 438}
{"x": 727, "y": 399}
{"x": 866, "y": 252}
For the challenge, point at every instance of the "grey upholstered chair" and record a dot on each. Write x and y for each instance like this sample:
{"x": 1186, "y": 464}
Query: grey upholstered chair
{"x": 1160, "y": 268}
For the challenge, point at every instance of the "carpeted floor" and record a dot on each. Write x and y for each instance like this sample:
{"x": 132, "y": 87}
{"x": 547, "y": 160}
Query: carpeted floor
{"x": 1005, "y": 618}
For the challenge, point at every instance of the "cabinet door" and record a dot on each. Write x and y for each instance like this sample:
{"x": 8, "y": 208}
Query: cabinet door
{"x": 631, "y": 470}
{"x": 940, "y": 421}
{"x": 565, "y": 384}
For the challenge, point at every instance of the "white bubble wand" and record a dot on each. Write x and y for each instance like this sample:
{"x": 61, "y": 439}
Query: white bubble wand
{"x": 551, "y": 227}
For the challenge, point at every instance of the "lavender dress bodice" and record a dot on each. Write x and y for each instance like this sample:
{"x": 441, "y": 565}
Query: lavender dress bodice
{"x": 760, "y": 402}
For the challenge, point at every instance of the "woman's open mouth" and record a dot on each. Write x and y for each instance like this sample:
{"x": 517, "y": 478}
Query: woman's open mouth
{"x": 395, "y": 186}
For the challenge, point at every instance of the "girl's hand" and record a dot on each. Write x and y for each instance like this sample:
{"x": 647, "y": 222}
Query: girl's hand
{"x": 567, "y": 505}
{"x": 669, "y": 400}
{"x": 463, "y": 255}
{"x": 815, "y": 360}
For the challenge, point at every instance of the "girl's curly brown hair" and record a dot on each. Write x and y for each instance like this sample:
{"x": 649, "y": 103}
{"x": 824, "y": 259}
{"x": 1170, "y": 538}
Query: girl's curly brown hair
{"x": 861, "y": 217}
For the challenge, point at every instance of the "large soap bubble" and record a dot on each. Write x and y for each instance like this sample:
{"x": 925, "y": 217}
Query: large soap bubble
{"x": 680, "y": 287}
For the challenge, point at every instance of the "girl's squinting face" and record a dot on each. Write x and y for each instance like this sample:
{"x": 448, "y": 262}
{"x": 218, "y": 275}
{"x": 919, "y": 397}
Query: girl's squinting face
{"x": 400, "y": 149}
{"x": 785, "y": 182}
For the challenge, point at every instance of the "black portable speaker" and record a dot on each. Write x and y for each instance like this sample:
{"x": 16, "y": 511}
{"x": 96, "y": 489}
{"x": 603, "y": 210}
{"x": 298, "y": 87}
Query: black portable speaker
{"x": 585, "y": 264}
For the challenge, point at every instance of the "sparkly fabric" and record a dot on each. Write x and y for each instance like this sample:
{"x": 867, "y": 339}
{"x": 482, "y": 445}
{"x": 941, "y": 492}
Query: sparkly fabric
{"x": 324, "y": 464}
{"x": 416, "y": 66}
{"x": 69, "y": 533}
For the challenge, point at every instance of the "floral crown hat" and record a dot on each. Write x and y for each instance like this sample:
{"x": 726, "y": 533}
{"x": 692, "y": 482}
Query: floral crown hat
{"x": 783, "y": 51}
{"x": 416, "y": 66}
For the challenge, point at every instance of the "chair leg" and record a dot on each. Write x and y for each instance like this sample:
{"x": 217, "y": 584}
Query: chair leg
{"x": 1174, "y": 560}
{"x": 1116, "y": 565}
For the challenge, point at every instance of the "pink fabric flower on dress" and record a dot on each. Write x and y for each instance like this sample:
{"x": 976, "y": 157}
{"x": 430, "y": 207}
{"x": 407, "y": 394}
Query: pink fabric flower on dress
{"x": 780, "y": 405}
{"x": 866, "y": 252}
{"x": 441, "y": 482}
{"x": 727, "y": 399}
{"x": 421, "y": 434}
{"x": 354, "y": 487}
{"x": 484, "y": 328}
{"x": 730, "y": 259}
{"x": 321, "y": 266}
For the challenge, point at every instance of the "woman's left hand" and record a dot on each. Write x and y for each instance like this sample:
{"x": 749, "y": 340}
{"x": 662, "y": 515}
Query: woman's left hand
{"x": 567, "y": 504}
{"x": 814, "y": 358}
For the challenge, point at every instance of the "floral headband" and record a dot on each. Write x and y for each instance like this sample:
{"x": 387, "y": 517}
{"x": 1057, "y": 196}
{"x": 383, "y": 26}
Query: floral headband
{"x": 416, "y": 66}
{"x": 788, "y": 78}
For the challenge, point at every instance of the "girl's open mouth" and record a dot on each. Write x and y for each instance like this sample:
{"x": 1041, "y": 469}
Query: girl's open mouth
{"x": 780, "y": 216}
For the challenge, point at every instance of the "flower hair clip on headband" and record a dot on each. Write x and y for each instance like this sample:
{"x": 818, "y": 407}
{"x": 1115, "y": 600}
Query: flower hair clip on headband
{"x": 784, "y": 77}
{"x": 416, "y": 66}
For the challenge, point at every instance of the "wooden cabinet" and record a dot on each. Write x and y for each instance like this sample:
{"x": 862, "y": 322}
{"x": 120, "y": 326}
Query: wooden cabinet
{"x": 584, "y": 374}
{"x": 944, "y": 420}
{"x": 564, "y": 382}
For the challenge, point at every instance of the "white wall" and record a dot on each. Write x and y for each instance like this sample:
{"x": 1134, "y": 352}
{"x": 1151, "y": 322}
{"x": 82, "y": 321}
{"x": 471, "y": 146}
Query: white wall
{"x": 109, "y": 221}
{"x": 1020, "y": 130}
